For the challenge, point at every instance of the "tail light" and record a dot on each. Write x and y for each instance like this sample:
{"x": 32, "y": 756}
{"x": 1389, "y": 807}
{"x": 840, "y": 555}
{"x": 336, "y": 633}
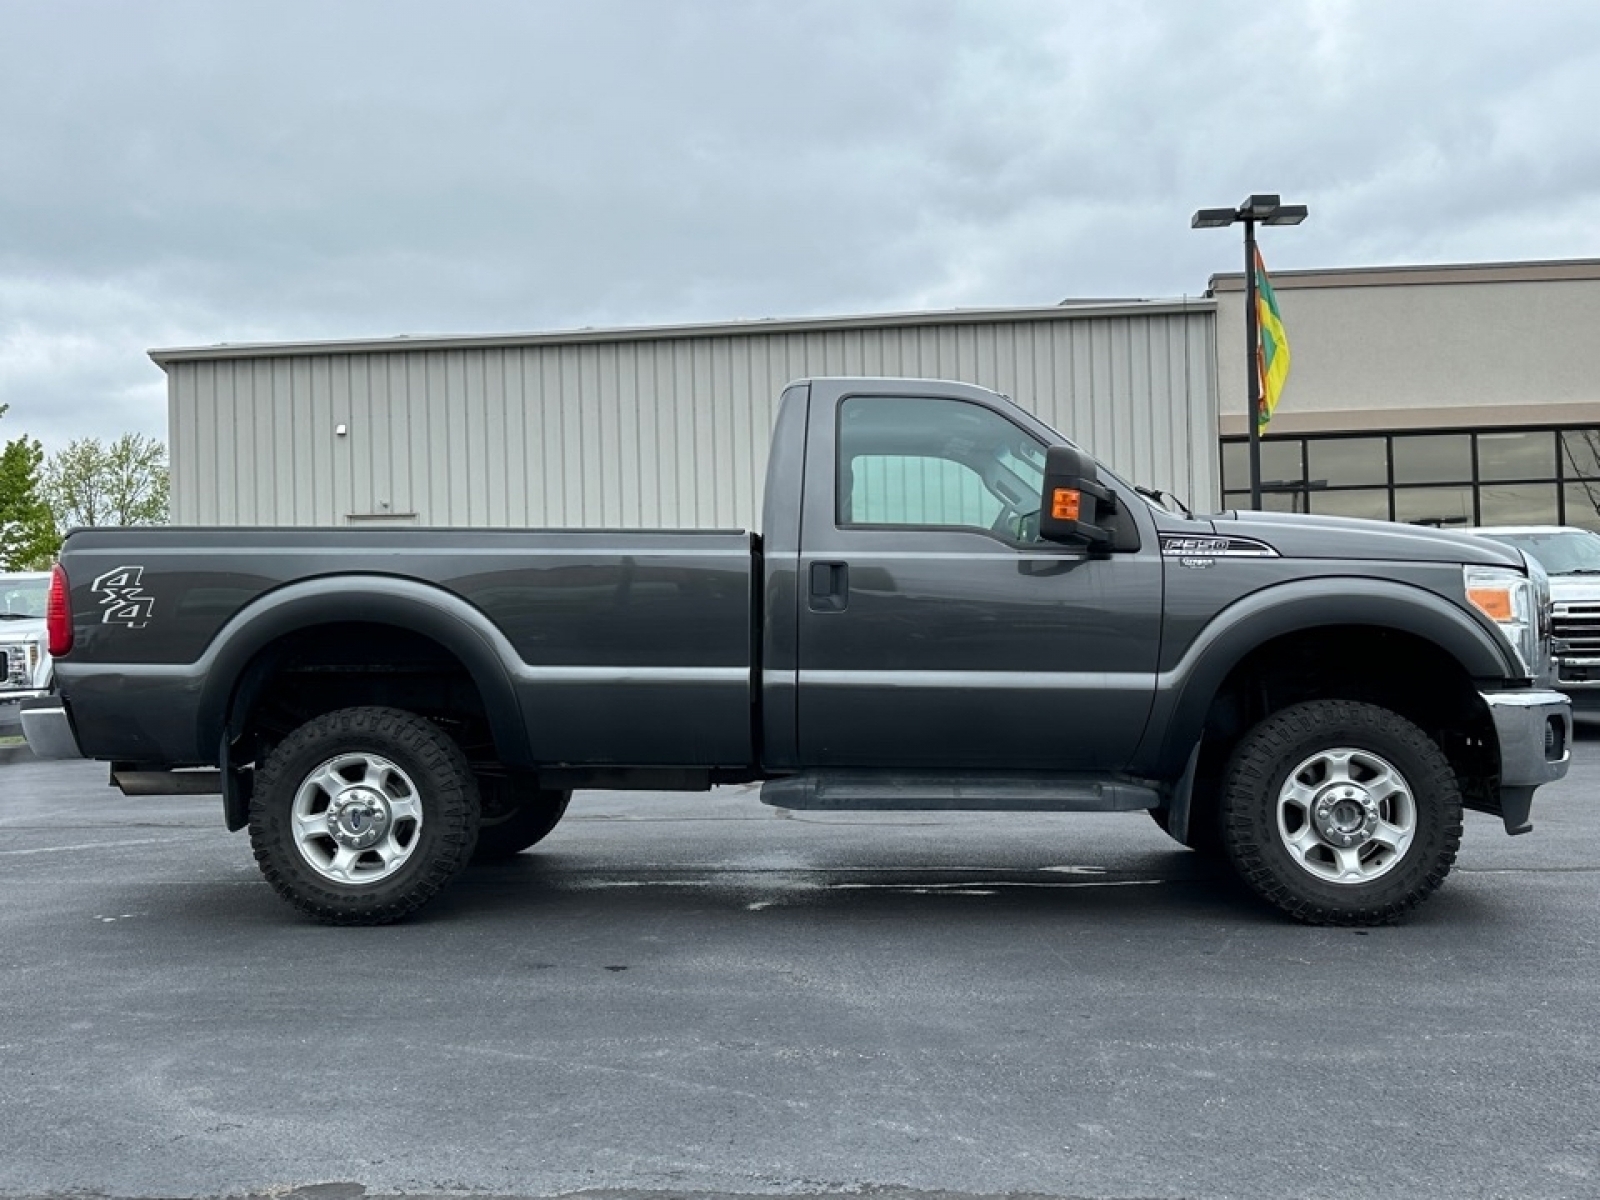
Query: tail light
{"x": 58, "y": 613}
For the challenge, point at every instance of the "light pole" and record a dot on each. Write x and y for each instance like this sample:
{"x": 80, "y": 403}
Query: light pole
{"x": 1264, "y": 210}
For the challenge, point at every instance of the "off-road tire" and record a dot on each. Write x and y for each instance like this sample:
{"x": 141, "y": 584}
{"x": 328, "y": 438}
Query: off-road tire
{"x": 517, "y": 820}
{"x": 441, "y": 789}
{"x": 1260, "y": 803}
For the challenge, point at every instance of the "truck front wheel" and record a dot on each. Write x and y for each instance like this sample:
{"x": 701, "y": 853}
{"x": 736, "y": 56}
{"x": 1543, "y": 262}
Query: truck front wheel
{"x": 1341, "y": 813}
{"x": 362, "y": 815}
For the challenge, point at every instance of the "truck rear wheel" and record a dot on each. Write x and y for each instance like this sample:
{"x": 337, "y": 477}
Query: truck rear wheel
{"x": 361, "y": 816}
{"x": 516, "y": 816}
{"x": 1341, "y": 813}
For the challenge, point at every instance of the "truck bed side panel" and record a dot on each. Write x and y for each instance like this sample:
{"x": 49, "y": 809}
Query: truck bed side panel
{"x": 621, "y": 648}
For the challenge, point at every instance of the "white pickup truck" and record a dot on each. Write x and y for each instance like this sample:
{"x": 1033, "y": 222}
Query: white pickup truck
{"x": 1571, "y": 557}
{"x": 26, "y": 669}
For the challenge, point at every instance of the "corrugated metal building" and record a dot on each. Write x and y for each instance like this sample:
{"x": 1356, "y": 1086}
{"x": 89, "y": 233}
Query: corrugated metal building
{"x": 1453, "y": 395}
{"x": 647, "y": 428}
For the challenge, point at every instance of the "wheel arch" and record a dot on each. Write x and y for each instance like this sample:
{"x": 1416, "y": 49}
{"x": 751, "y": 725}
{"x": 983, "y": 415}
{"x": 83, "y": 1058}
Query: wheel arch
{"x": 1248, "y": 630}
{"x": 430, "y": 612}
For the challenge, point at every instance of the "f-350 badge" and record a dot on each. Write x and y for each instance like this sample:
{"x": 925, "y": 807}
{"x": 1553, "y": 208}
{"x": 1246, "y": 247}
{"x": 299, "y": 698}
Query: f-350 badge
{"x": 123, "y": 599}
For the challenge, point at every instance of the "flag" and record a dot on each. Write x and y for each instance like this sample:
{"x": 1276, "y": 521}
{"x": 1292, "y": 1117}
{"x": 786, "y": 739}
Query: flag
{"x": 1272, "y": 351}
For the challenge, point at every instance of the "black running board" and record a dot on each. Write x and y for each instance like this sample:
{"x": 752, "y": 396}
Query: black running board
{"x": 879, "y": 791}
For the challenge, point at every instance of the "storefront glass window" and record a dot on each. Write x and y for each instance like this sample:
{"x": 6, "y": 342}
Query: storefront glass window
{"x": 1357, "y": 502}
{"x": 1583, "y": 505}
{"x": 1527, "y": 454}
{"x": 1270, "y": 501}
{"x": 1284, "y": 501}
{"x": 1580, "y": 453}
{"x": 1491, "y": 477}
{"x": 1517, "y": 504}
{"x": 1236, "y": 466}
{"x": 1433, "y": 458}
{"x": 1445, "y": 507}
{"x": 1281, "y": 461}
{"x": 1347, "y": 462}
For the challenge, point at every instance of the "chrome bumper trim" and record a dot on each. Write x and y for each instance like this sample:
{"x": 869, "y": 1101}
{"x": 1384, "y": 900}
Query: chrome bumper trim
{"x": 18, "y": 697}
{"x": 1535, "y": 733}
{"x": 49, "y": 732}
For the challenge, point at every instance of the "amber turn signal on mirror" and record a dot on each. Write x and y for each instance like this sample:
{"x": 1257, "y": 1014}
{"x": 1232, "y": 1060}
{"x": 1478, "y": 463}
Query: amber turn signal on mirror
{"x": 1065, "y": 504}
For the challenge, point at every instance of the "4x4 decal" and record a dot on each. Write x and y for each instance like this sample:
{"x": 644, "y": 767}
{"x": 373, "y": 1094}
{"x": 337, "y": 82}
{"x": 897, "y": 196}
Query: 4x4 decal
{"x": 123, "y": 599}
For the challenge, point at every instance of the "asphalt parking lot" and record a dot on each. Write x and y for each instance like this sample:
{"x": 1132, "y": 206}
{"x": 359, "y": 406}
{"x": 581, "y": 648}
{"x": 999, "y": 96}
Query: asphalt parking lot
{"x": 697, "y": 994}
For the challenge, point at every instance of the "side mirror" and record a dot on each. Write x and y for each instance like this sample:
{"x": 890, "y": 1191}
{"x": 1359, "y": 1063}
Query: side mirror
{"x": 1074, "y": 500}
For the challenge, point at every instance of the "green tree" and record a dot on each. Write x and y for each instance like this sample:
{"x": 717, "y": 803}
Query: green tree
{"x": 28, "y": 537}
{"x": 125, "y": 483}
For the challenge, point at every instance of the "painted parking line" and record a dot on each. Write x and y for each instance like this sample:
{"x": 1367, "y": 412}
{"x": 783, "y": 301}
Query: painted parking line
{"x": 84, "y": 846}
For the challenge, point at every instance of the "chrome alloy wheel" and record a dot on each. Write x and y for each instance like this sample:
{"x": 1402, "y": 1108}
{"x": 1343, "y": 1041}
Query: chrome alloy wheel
{"x": 356, "y": 818}
{"x": 1346, "y": 816}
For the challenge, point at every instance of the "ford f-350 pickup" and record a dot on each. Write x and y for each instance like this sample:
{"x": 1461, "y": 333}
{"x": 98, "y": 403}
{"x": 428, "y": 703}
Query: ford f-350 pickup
{"x": 949, "y": 606}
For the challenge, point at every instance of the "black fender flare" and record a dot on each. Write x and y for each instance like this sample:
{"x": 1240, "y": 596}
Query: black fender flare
{"x": 1185, "y": 692}
{"x": 406, "y": 604}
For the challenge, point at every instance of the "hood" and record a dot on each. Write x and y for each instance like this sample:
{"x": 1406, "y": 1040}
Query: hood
{"x": 13, "y": 630}
{"x": 1570, "y": 588}
{"x": 1295, "y": 535}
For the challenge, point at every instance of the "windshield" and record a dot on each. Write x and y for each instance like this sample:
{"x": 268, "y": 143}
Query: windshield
{"x": 22, "y": 598}
{"x": 1559, "y": 552}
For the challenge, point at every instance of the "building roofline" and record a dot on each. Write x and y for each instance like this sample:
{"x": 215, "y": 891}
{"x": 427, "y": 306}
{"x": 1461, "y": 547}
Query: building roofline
{"x": 1066, "y": 311}
{"x": 1540, "y": 271}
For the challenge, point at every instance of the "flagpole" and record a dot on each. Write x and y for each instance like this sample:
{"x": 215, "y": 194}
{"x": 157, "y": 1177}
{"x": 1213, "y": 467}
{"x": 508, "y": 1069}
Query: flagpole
{"x": 1252, "y": 362}
{"x": 1268, "y": 210}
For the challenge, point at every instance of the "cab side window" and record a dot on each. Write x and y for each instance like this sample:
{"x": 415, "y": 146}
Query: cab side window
{"x": 936, "y": 464}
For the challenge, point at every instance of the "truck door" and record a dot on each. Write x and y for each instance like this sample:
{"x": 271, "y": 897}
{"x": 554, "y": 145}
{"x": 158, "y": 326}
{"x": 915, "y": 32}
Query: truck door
{"x": 935, "y": 629}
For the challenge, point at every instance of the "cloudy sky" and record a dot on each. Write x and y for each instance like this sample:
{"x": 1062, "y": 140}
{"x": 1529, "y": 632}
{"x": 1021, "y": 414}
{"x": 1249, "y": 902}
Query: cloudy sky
{"x": 181, "y": 173}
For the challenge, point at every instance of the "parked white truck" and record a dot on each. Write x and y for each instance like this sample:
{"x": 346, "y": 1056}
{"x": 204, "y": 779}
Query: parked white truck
{"x": 1571, "y": 557}
{"x": 26, "y": 669}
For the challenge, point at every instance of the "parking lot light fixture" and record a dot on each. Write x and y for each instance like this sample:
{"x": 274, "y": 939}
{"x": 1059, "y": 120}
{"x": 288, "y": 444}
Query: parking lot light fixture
{"x": 1260, "y": 209}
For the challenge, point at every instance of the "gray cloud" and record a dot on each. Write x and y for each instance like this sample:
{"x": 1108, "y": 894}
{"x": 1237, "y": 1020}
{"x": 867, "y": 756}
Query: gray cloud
{"x": 182, "y": 173}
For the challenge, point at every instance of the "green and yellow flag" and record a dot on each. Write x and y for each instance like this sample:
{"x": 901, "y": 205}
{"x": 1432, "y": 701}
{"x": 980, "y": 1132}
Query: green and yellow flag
{"x": 1272, "y": 352}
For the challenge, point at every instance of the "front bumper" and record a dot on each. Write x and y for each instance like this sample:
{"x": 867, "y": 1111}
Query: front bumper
{"x": 48, "y": 728}
{"x": 1584, "y": 690}
{"x": 1534, "y": 729}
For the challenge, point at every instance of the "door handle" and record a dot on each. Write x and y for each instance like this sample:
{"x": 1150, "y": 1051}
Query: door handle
{"x": 830, "y": 587}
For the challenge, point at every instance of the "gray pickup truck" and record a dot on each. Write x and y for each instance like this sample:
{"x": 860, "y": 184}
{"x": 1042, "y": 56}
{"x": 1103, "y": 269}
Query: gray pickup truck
{"x": 949, "y": 606}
